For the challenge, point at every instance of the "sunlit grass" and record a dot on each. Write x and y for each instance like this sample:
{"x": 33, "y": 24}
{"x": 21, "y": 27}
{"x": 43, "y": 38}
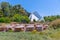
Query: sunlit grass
{"x": 44, "y": 35}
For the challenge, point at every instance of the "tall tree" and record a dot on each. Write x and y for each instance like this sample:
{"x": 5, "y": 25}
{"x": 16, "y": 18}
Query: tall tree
{"x": 1, "y": 13}
{"x": 5, "y": 8}
{"x": 19, "y": 9}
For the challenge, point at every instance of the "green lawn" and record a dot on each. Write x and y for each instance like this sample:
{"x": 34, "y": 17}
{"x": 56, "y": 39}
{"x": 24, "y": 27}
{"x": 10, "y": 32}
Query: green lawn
{"x": 45, "y": 35}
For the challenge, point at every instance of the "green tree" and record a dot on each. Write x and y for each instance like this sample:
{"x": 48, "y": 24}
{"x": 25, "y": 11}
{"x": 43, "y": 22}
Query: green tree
{"x": 16, "y": 13}
{"x": 51, "y": 18}
{"x": 20, "y": 18}
{"x": 19, "y": 10}
{"x": 1, "y": 13}
{"x": 25, "y": 19}
{"x": 16, "y": 18}
{"x": 5, "y": 8}
{"x": 5, "y": 20}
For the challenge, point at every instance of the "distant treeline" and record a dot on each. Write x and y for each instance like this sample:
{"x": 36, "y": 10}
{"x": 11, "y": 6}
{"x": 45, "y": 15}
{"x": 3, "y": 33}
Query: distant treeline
{"x": 51, "y": 18}
{"x": 10, "y": 13}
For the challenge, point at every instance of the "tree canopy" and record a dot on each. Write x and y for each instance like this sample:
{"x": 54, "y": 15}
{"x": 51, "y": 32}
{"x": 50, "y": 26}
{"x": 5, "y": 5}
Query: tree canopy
{"x": 16, "y": 13}
{"x": 51, "y": 18}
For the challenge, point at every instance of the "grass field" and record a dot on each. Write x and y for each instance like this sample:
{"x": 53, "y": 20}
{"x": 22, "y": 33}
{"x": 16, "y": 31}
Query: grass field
{"x": 45, "y": 35}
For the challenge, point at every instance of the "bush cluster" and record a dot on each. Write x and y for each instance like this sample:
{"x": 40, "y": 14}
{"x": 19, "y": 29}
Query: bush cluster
{"x": 55, "y": 24}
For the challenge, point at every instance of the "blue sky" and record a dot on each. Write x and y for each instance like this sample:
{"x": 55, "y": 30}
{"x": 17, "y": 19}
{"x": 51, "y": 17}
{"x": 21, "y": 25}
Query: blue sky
{"x": 43, "y": 7}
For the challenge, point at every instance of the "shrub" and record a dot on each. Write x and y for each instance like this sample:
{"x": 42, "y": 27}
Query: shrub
{"x": 55, "y": 24}
{"x": 34, "y": 31}
{"x": 10, "y": 30}
{"x": 5, "y": 20}
{"x": 20, "y": 18}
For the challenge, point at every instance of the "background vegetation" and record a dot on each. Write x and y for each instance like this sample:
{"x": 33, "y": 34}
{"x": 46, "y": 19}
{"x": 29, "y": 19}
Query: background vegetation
{"x": 10, "y": 13}
{"x": 51, "y": 18}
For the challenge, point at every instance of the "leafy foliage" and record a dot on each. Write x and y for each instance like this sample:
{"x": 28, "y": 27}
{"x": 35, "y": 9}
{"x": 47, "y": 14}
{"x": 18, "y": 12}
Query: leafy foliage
{"x": 51, "y": 18}
{"x": 5, "y": 20}
{"x": 1, "y": 13}
{"x": 20, "y": 18}
{"x": 16, "y": 13}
